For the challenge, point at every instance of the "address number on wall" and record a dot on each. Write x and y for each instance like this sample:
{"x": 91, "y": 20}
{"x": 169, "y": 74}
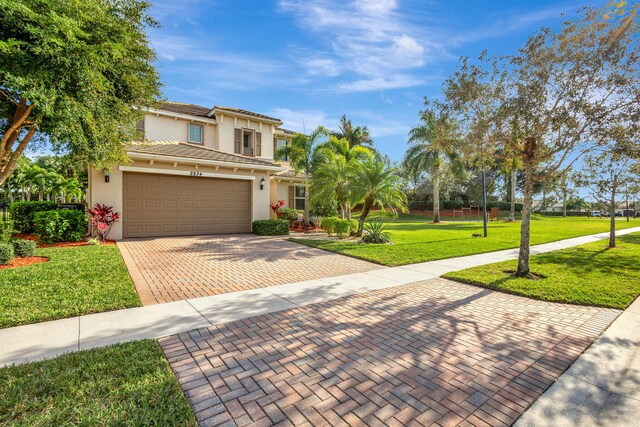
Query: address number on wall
{"x": 195, "y": 173}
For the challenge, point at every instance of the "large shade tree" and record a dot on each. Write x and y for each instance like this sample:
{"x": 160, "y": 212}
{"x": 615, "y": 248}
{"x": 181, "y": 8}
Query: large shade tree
{"x": 566, "y": 89}
{"x": 76, "y": 73}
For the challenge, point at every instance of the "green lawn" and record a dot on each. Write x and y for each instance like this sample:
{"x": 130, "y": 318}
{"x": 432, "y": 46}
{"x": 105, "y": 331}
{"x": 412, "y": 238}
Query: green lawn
{"x": 126, "y": 384}
{"x": 76, "y": 280}
{"x": 416, "y": 240}
{"x": 589, "y": 274}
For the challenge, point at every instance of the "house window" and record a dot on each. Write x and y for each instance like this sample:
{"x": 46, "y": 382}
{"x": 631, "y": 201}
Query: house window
{"x": 247, "y": 142}
{"x": 195, "y": 133}
{"x": 298, "y": 197}
{"x": 279, "y": 144}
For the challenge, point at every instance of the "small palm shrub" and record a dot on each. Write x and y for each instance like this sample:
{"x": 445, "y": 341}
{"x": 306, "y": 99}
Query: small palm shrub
{"x": 353, "y": 226}
{"x": 342, "y": 227}
{"x": 328, "y": 223}
{"x": 93, "y": 241}
{"x": 6, "y": 253}
{"x": 374, "y": 232}
{"x": 23, "y": 248}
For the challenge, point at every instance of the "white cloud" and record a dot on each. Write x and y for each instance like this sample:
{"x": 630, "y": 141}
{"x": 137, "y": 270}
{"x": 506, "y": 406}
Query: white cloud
{"x": 302, "y": 120}
{"x": 371, "y": 45}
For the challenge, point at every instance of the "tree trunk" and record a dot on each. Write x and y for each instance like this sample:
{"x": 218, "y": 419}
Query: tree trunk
{"x": 436, "y": 194}
{"x": 363, "y": 215}
{"x": 612, "y": 209}
{"x": 514, "y": 179}
{"x": 525, "y": 226}
{"x": 564, "y": 201}
{"x": 306, "y": 200}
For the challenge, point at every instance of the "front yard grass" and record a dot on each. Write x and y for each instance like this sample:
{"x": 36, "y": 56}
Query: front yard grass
{"x": 590, "y": 274}
{"x": 125, "y": 384}
{"x": 417, "y": 240}
{"x": 76, "y": 280}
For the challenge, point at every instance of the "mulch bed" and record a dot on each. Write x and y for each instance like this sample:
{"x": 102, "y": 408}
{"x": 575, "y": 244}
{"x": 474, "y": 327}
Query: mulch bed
{"x": 23, "y": 262}
{"x": 58, "y": 244}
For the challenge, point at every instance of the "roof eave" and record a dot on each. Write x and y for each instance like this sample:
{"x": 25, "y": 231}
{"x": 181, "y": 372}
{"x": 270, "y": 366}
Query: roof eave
{"x": 193, "y": 160}
{"x": 183, "y": 116}
{"x": 276, "y": 122}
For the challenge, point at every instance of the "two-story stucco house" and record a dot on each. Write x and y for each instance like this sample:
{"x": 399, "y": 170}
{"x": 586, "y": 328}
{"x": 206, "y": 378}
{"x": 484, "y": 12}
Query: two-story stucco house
{"x": 200, "y": 171}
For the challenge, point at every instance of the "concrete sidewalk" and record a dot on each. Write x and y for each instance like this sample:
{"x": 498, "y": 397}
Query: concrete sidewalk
{"x": 49, "y": 339}
{"x": 602, "y": 387}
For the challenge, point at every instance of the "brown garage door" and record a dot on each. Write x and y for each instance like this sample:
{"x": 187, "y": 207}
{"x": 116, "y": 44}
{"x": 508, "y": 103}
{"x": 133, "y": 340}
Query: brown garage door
{"x": 169, "y": 205}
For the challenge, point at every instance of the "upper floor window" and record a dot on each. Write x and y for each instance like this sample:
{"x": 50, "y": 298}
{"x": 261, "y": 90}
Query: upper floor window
{"x": 280, "y": 142}
{"x": 195, "y": 133}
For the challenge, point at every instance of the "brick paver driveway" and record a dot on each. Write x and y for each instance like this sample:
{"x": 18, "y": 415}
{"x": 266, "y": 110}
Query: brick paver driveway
{"x": 176, "y": 268}
{"x": 431, "y": 353}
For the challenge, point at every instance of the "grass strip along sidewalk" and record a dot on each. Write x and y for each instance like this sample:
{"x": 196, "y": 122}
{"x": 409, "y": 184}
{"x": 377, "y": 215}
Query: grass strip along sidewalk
{"x": 590, "y": 274}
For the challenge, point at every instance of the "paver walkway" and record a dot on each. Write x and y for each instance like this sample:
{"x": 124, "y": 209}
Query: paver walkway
{"x": 432, "y": 353}
{"x": 39, "y": 341}
{"x": 602, "y": 388}
{"x": 178, "y": 268}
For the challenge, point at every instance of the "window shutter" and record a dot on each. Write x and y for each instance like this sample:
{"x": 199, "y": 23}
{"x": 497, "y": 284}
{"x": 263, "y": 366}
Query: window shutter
{"x": 292, "y": 200}
{"x": 258, "y": 144}
{"x": 275, "y": 148}
{"x": 237, "y": 140}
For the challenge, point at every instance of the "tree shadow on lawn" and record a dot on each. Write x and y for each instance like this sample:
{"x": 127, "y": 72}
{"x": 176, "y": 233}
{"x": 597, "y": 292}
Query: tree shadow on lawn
{"x": 425, "y": 349}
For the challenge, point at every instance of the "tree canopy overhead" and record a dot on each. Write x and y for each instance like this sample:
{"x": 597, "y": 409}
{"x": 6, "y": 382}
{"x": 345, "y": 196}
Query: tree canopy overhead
{"x": 79, "y": 72}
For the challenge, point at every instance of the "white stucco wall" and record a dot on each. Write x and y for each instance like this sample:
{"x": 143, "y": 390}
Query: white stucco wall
{"x": 226, "y": 125}
{"x": 112, "y": 193}
{"x": 162, "y": 128}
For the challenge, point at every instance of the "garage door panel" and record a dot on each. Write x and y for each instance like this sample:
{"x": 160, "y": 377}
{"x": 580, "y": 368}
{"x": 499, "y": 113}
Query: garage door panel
{"x": 167, "y": 205}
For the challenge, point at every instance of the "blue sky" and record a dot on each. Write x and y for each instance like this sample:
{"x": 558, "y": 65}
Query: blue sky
{"x": 309, "y": 62}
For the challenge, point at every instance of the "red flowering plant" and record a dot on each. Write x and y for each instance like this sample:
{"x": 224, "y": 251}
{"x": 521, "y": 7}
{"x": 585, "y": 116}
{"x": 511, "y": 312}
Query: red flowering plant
{"x": 101, "y": 219}
{"x": 275, "y": 207}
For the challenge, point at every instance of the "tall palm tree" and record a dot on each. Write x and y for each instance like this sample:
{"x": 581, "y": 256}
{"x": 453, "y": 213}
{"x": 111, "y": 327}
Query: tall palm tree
{"x": 335, "y": 160}
{"x": 301, "y": 154}
{"x": 376, "y": 184}
{"x": 432, "y": 148}
{"x": 356, "y": 135}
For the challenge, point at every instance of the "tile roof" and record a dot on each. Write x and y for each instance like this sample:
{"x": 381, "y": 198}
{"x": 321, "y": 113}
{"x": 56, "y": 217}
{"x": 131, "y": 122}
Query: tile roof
{"x": 183, "y": 149}
{"x": 245, "y": 112}
{"x": 188, "y": 109}
{"x": 285, "y": 131}
{"x": 289, "y": 173}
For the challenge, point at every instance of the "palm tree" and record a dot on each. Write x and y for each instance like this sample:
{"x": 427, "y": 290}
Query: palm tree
{"x": 335, "y": 161}
{"x": 432, "y": 149}
{"x": 301, "y": 154}
{"x": 375, "y": 183}
{"x": 356, "y": 135}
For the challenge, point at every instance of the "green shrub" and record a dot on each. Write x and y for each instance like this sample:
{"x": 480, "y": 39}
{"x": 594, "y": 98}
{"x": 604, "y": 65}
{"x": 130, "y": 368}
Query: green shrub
{"x": 7, "y": 230}
{"x": 23, "y": 214}
{"x": 324, "y": 210}
{"x": 92, "y": 241}
{"x": 374, "y": 232}
{"x": 342, "y": 227}
{"x": 6, "y": 253}
{"x": 60, "y": 226}
{"x": 270, "y": 227}
{"x": 328, "y": 223}
{"x": 288, "y": 214}
{"x": 23, "y": 248}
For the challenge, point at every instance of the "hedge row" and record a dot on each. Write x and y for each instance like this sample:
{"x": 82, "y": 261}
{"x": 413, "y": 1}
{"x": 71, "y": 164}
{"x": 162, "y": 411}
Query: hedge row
{"x": 270, "y": 227}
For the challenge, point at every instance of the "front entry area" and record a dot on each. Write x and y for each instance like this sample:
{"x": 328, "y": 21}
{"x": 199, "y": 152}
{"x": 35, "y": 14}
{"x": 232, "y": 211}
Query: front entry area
{"x": 158, "y": 205}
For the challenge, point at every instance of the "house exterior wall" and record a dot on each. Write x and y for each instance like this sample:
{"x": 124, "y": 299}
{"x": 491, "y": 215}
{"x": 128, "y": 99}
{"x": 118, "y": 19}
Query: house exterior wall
{"x": 111, "y": 193}
{"x": 227, "y": 124}
{"x": 163, "y": 128}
